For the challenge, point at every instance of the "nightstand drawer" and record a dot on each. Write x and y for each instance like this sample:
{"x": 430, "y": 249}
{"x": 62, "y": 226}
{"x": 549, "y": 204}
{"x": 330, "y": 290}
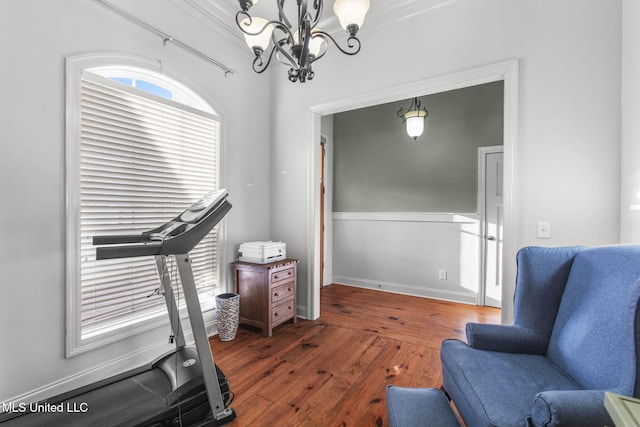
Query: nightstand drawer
{"x": 282, "y": 312}
{"x": 282, "y": 292}
{"x": 278, "y": 276}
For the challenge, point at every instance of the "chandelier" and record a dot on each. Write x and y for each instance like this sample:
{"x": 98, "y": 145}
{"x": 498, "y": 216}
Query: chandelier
{"x": 414, "y": 118}
{"x": 300, "y": 43}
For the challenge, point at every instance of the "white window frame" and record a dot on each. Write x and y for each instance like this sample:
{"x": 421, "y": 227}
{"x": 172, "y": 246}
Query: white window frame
{"x": 142, "y": 69}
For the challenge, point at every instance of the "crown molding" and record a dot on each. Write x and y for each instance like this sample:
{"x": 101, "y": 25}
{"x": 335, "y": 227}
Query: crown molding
{"x": 222, "y": 15}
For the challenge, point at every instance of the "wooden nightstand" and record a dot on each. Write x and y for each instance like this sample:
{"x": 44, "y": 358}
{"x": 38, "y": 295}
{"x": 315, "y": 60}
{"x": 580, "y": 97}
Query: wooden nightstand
{"x": 267, "y": 293}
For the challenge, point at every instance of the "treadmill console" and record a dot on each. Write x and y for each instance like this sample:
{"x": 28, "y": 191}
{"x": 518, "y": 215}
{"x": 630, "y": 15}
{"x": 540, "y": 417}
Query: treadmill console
{"x": 177, "y": 236}
{"x": 196, "y": 211}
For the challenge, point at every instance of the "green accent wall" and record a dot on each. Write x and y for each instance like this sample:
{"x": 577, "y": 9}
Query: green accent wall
{"x": 379, "y": 168}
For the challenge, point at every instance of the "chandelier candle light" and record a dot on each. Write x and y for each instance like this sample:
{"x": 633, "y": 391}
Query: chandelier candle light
{"x": 414, "y": 118}
{"x": 299, "y": 45}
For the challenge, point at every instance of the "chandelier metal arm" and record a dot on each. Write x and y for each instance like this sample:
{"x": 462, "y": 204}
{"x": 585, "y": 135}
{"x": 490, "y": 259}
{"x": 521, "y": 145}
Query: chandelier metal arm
{"x": 317, "y": 6}
{"x": 304, "y": 14}
{"x": 259, "y": 64}
{"x": 279, "y": 47}
{"x": 286, "y": 38}
{"x": 276, "y": 24}
{"x": 304, "y": 39}
{"x": 415, "y": 108}
{"x": 401, "y": 114}
{"x": 281, "y": 15}
{"x": 324, "y": 47}
{"x": 353, "y": 43}
{"x": 302, "y": 11}
{"x": 242, "y": 13}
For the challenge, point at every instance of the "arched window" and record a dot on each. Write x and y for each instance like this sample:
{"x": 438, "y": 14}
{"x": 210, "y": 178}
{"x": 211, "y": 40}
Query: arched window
{"x": 141, "y": 147}
{"x": 154, "y": 83}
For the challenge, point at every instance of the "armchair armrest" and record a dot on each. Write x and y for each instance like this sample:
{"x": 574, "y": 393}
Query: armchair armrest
{"x": 506, "y": 339}
{"x": 583, "y": 408}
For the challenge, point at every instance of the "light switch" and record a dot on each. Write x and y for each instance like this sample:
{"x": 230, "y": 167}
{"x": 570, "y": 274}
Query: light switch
{"x": 543, "y": 230}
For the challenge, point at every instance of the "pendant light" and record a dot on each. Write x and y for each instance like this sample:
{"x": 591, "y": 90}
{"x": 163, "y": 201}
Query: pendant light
{"x": 414, "y": 118}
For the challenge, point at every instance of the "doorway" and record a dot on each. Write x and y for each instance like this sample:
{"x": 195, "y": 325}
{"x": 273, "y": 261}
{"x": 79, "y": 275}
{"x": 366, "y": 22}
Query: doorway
{"x": 506, "y": 71}
{"x": 323, "y": 193}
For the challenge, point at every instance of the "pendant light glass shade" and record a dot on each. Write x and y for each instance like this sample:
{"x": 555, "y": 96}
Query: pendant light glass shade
{"x": 253, "y": 34}
{"x": 351, "y": 13}
{"x": 414, "y": 118}
{"x": 316, "y": 44}
{"x": 415, "y": 123}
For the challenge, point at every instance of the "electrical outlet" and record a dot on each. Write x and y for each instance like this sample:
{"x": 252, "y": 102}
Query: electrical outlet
{"x": 442, "y": 274}
{"x": 543, "y": 230}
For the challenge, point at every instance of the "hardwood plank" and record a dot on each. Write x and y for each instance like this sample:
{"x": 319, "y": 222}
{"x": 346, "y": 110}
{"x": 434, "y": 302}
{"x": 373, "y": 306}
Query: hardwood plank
{"x": 334, "y": 371}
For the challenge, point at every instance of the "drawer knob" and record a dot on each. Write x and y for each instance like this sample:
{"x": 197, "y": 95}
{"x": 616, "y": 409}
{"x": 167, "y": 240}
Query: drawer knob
{"x": 275, "y": 294}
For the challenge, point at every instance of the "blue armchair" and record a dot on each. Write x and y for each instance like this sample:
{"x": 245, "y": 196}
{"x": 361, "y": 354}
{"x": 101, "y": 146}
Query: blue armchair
{"x": 576, "y": 334}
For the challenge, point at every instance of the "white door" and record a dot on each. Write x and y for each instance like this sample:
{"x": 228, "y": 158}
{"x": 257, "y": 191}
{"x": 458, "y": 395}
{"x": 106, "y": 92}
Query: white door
{"x": 492, "y": 218}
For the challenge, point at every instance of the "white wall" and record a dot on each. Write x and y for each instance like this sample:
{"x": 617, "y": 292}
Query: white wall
{"x": 37, "y": 36}
{"x": 630, "y": 208}
{"x": 568, "y": 159}
{"x": 404, "y": 253}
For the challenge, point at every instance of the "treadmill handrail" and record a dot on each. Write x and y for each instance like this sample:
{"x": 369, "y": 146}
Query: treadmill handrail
{"x": 128, "y": 251}
{"x": 119, "y": 239}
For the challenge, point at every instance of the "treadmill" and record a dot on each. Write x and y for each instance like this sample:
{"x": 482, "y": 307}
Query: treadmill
{"x": 182, "y": 388}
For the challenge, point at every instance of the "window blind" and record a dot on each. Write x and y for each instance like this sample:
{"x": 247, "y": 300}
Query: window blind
{"x": 143, "y": 161}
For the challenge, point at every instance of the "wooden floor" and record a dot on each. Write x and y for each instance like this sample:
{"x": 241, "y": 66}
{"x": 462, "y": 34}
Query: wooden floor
{"x": 333, "y": 371}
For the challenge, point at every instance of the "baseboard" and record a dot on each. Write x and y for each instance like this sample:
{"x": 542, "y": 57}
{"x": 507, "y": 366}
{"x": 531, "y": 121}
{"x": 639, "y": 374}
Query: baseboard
{"x": 302, "y": 312}
{"x": 404, "y": 289}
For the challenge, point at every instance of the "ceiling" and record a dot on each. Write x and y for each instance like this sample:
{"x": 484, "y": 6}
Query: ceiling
{"x": 220, "y": 14}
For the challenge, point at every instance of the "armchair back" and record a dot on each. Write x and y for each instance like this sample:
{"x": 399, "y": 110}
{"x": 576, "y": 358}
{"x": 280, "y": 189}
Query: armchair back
{"x": 595, "y": 337}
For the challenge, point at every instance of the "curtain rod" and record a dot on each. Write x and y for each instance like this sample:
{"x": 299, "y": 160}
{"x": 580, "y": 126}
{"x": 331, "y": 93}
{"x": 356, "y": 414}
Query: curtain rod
{"x": 166, "y": 37}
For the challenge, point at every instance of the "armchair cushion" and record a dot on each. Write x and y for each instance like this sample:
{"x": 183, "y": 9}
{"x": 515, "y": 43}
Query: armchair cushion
{"x": 499, "y": 387}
